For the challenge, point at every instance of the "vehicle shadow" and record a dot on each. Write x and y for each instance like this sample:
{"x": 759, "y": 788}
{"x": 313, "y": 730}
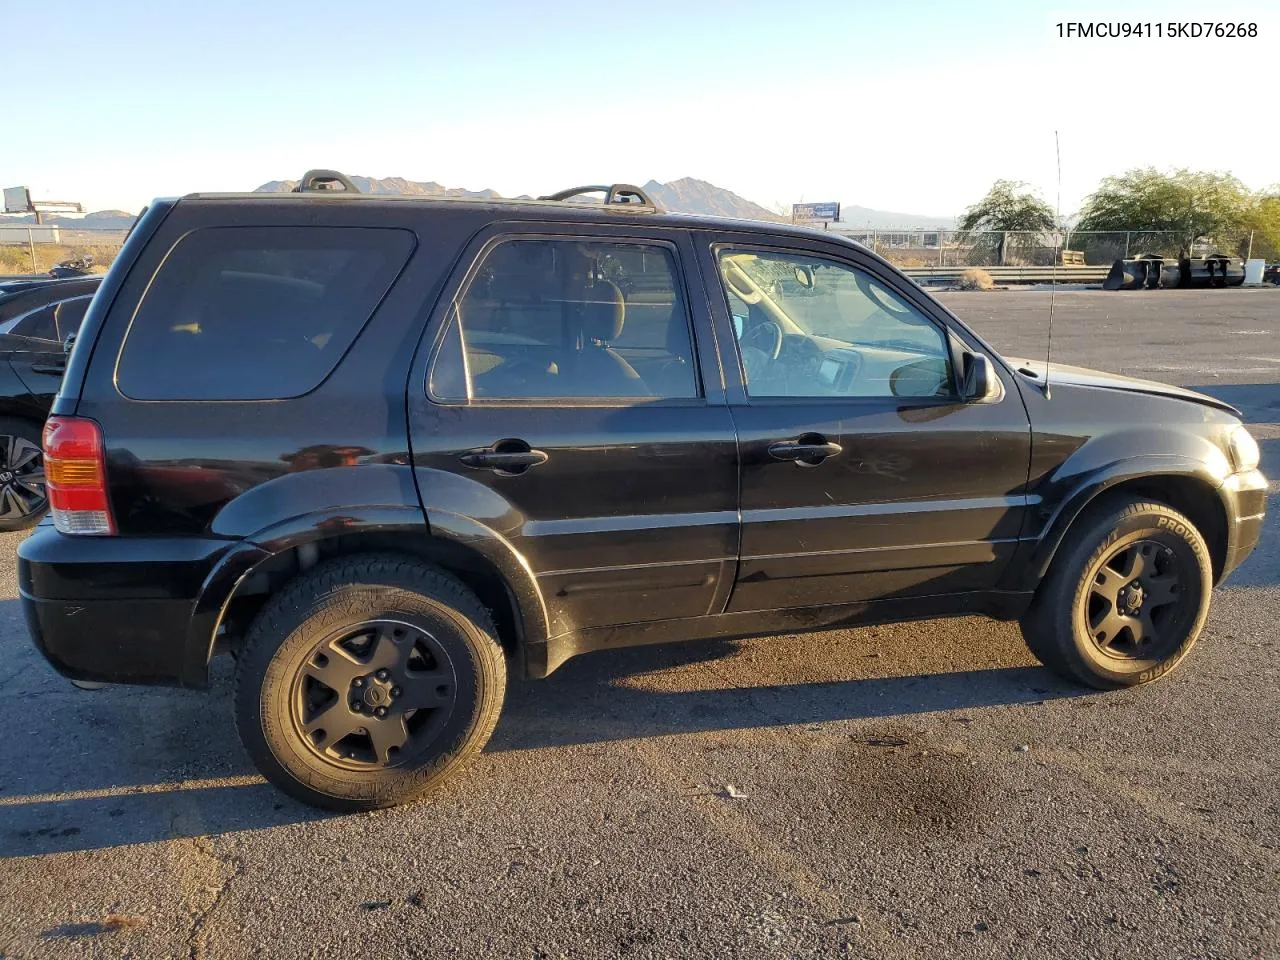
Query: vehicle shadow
{"x": 596, "y": 698}
{"x": 135, "y": 765}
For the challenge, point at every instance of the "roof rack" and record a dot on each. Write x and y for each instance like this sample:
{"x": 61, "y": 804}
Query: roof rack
{"x": 321, "y": 181}
{"x": 615, "y": 194}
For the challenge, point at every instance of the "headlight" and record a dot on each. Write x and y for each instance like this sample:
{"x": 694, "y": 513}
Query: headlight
{"x": 1243, "y": 449}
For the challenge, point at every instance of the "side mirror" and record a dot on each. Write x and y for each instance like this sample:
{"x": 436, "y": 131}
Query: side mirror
{"x": 68, "y": 342}
{"x": 981, "y": 384}
{"x": 804, "y": 277}
{"x": 921, "y": 378}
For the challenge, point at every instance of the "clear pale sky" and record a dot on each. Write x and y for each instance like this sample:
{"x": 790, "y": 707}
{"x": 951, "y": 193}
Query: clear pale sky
{"x": 911, "y": 107}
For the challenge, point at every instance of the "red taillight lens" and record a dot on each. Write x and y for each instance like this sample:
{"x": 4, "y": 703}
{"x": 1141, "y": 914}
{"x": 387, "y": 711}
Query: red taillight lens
{"x": 75, "y": 473}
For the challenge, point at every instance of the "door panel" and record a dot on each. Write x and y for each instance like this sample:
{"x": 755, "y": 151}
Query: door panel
{"x": 925, "y": 495}
{"x": 632, "y": 517}
{"x": 909, "y": 506}
{"x": 632, "y": 514}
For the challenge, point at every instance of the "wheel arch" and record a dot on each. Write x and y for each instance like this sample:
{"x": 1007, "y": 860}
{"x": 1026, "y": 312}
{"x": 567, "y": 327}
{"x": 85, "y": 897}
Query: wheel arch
{"x": 260, "y": 566}
{"x": 1188, "y": 486}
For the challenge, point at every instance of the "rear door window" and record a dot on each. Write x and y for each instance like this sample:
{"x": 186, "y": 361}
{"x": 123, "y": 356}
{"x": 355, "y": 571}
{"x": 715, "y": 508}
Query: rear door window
{"x": 256, "y": 313}
{"x": 571, "y": 318}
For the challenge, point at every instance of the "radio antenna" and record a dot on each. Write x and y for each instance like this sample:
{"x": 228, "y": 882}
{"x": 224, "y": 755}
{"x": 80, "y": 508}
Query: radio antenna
{"x": 1057, "y": 255}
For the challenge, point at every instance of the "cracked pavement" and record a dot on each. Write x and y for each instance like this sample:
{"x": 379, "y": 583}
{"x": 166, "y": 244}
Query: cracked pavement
{"x": 898, "y": 792}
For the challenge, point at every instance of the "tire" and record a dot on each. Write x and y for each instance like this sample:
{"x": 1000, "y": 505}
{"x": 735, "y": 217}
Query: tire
{"x": 23, "y": 500}
{"x": 1125, "y": 598}
{"x": 352, "y": 637}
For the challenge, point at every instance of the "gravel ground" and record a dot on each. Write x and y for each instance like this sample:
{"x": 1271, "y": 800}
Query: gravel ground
{"x": 923, "y": 790}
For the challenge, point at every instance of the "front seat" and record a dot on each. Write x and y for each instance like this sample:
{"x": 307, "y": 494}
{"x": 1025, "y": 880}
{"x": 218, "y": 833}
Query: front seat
{"x": 597, "y": 369}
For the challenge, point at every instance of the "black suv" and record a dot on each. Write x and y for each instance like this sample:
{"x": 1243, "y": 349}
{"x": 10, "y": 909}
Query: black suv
{"x": 36, "y": 317}
{"x": 386, "y": 450}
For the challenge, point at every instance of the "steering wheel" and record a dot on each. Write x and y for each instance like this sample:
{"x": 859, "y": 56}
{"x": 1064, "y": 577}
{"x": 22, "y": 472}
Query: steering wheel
{"x": 765, "y": 336}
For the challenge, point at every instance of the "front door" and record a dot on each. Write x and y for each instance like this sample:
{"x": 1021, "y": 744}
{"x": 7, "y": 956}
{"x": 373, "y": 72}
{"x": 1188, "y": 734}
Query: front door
{"x": 563, "y": 406}
{"x": 864, "y": 475}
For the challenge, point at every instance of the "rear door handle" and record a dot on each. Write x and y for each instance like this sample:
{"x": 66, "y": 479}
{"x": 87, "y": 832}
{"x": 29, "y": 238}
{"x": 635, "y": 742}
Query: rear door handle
{"x": 57, "y": 368}
{"x": 809, "y": 450}
{"x": 506, "y": 458}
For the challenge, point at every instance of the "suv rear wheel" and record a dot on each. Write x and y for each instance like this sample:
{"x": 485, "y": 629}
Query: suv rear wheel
{"x": 367, "y": 681}
{"x": 1125, "y": 598}
{"x": 23, "y": 500}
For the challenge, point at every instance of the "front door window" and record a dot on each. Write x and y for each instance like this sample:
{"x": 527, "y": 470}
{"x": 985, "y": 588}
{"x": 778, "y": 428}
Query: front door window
{"x": 811, "y": 327}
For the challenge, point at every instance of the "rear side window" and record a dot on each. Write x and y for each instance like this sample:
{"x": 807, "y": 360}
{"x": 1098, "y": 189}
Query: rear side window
{"x": 546, "y": 318}
{"x": 256, "y": 313}
{"x": 70, "y": 314}
{"x": 38, "y": 324}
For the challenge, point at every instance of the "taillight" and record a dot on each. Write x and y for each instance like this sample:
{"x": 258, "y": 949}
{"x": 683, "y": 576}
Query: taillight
{"x": 75, "y": 472}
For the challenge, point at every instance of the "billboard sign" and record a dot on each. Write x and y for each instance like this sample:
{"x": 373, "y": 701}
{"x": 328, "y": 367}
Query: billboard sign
{"x": 815, "y": 211}
{"x": 17, "y": 200}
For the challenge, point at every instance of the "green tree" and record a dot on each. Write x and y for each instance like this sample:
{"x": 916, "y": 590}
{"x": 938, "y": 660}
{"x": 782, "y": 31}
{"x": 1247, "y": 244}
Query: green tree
{"x": 1264, "y": 222}
{"x": 1186, "y": 205}
{"x": 1008, "y": 205}
{"x": 1007, "y": 225}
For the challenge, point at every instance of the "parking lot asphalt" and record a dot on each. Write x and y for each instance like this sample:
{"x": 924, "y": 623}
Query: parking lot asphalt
{"x": 910, "y": 791}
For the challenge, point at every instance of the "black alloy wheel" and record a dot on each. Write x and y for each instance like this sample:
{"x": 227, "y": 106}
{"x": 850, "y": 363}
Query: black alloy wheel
{"x": 1138, "y": 604}
{"x": 374, "y": 695}
{"x": 368, "y": 681}
{"x": 1126, "y": 595}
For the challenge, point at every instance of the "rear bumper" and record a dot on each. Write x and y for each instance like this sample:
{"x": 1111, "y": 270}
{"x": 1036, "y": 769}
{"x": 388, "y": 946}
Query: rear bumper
{"x": 117, "y": 609}
{"x": 1245, "y": 497}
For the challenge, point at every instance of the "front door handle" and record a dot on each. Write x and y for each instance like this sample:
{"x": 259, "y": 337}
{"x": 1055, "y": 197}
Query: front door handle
{"x": 807, "y": 451}
{"x": 507, "y": 458}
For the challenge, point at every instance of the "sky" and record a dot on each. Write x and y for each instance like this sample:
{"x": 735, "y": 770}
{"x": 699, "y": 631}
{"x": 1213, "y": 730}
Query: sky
{"x": 914, "y": 107}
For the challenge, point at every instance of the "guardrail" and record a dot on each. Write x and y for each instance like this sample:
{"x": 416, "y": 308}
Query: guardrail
{"x": 1064, "y": 274}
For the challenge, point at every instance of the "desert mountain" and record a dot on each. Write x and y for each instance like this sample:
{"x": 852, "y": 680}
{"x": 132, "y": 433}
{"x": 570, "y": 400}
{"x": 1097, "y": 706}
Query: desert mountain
{"x": 687, "y": 195}
{"x": 99, "y": 220}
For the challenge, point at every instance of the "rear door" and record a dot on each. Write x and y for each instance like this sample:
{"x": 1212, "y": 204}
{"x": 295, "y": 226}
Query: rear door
{"x": 864, "y": 475}
{"x": 561, "y": 404}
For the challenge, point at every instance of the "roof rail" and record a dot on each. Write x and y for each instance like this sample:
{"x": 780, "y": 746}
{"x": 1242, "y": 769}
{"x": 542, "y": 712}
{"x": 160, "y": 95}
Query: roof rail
{"x": 621, "y": 194}
{"x": 319, "y": 181}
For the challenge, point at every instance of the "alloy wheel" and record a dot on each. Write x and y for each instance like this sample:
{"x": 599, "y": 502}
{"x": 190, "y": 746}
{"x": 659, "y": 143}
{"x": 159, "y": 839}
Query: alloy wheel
{"x": 22, "y": 489}
{"x": 373, "y": 696}
{"x": 1141, "y": 597}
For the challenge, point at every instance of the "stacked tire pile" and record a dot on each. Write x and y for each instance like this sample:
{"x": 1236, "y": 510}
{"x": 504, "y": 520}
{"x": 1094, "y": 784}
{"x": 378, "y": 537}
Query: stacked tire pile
{"x": 1150, "y": 271}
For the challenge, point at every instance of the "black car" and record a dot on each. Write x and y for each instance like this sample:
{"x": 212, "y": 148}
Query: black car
{"x": 385, "y": 450}
{"x": 36, "y": 316}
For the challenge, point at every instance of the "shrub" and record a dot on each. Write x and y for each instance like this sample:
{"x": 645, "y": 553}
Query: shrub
{"x": 975, "y": 279}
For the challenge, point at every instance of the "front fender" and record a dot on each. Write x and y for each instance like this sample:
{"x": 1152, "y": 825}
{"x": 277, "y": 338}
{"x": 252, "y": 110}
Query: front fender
{"x": 1061, "y": 509}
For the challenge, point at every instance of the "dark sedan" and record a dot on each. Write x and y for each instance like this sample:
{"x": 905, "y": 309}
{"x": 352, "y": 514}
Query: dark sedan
{"x": 36, "y": 317}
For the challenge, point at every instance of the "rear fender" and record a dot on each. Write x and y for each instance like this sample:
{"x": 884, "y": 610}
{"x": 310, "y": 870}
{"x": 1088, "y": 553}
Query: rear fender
{"x": 255, "y": 552}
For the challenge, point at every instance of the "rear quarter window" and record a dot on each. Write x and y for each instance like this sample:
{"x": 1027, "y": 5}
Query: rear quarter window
{"x": 256, "y": 313}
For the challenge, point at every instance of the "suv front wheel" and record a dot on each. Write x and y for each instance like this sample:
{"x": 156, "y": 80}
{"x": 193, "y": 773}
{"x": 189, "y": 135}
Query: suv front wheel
{"x": 1125, "y": 598}
{"x": 367, "y": 681}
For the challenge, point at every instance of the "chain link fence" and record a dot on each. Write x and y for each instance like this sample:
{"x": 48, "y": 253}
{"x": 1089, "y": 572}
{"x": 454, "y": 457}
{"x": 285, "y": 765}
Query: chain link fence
{"x": 29, "y": 249}
{"x": 957, "y": 248}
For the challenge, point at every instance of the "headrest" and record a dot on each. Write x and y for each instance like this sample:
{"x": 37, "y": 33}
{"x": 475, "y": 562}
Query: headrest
{"x": 603, "y": 310}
